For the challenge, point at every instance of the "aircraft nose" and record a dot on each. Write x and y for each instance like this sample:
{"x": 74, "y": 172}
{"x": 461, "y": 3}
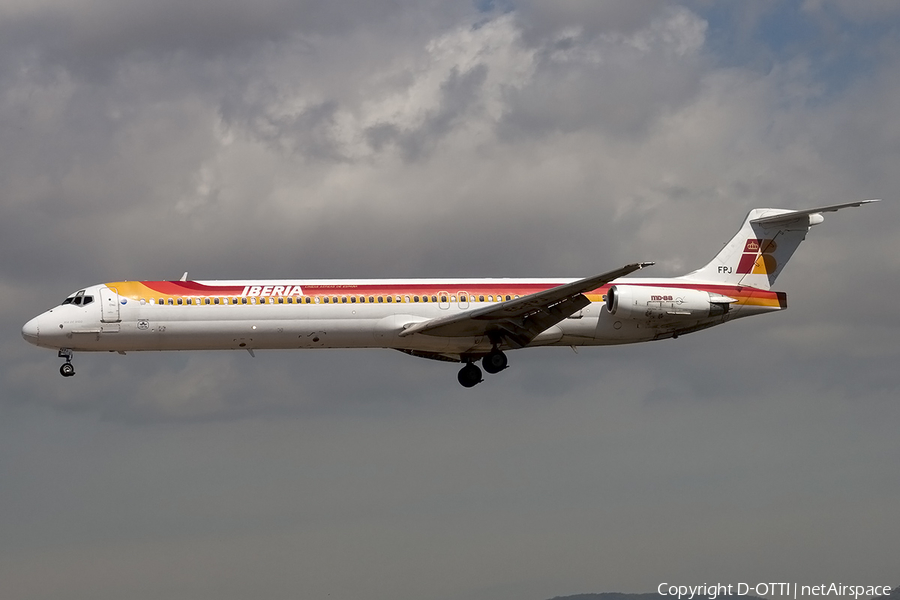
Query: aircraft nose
{"x": 31, "y": 331}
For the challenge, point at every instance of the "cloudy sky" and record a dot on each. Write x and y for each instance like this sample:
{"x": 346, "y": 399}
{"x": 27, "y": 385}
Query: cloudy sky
{"x": 313, "y": 139}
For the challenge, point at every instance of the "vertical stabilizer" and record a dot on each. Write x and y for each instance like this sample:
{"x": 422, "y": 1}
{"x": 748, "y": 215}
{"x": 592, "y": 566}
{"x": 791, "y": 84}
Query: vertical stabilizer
{"x": 765, "y": 242}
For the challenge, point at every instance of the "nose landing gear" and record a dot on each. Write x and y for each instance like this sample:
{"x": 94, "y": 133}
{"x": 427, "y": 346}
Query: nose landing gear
{"x": 67, "y": 369}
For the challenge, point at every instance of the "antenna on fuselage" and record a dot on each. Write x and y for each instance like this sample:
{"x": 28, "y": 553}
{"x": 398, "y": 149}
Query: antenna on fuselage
{"x": 183, "y": 277}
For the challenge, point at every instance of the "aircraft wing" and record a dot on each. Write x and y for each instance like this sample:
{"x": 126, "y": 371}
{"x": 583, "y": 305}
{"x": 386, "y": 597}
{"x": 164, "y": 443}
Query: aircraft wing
{"x": 520, "y": 320}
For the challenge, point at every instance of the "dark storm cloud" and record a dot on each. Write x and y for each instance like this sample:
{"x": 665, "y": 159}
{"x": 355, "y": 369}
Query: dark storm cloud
{"x": 308, "y": 132}
{"x": 588, "y": 93}
{"x": 94, "y": 39}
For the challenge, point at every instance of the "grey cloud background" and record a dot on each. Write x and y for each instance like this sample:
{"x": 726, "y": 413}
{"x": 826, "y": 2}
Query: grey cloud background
{"x": 447, "y": 139}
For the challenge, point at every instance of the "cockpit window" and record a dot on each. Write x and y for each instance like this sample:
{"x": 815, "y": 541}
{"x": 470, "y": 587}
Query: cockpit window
{"x": 87, "y": 300}
{"x": 77, "y": 298}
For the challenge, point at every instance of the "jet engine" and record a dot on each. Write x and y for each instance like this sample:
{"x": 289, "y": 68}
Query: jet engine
{"x": 646, "y": 302}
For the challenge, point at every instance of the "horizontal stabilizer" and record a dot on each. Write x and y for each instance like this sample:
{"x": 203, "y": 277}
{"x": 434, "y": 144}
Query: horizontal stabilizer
{"x": 794, "y": 215}
{"x": 762, "y": 246}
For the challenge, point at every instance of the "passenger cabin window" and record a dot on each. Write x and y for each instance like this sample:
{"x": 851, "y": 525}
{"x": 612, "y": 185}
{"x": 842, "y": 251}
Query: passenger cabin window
{"x": 372, "y": 299}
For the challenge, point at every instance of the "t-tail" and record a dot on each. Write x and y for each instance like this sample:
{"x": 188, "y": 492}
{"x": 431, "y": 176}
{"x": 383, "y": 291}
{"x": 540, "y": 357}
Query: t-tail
{"x": 762, "y": 247}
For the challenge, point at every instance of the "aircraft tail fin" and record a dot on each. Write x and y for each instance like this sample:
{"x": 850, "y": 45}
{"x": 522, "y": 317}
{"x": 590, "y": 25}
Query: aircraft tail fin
{"x": 765, "y": 242}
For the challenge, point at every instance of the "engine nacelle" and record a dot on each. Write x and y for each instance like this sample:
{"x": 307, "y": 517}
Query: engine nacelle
{"x": 645, "y": 302}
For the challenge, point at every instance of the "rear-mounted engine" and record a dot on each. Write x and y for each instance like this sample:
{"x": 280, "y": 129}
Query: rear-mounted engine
{"x": 643, "y": 302}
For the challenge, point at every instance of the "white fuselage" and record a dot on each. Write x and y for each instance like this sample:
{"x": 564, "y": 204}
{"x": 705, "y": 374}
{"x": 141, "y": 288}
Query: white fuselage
{"x": 336, "y": 314}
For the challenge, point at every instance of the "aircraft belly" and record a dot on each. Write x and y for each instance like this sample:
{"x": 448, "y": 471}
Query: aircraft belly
{"x": 612, "y": 331}
{"x": 336, "y": 326}
{"x": 273, "y": 327}
{"x": 263, "y": 334}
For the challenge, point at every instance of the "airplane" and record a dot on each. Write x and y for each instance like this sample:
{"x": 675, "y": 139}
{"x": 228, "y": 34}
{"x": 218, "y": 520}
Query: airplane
{"x": 454, "y": 320}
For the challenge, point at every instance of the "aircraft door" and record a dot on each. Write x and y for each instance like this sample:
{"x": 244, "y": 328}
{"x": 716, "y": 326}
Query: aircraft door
{"x": 109, "y": 305}
{"x": 443, "y": 300}
{"x": 463, "y": 299}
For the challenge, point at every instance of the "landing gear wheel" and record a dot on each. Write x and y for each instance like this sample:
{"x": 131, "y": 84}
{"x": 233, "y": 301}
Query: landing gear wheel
{"x": 67, "y": 370}
{"x": 494, "y": 362}
{"x": 469, "y": 376}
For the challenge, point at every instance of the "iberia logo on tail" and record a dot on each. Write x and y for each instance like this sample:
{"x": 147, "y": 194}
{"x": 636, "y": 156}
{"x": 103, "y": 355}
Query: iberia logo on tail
{"x": 757, "y": 257}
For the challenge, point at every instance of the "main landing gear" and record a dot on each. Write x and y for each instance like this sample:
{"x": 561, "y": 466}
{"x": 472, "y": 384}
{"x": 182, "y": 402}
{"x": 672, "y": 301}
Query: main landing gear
{"x": 494, "y": 362}
{"x": 67, "y": 369}
{"x": 470, "y": 374}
